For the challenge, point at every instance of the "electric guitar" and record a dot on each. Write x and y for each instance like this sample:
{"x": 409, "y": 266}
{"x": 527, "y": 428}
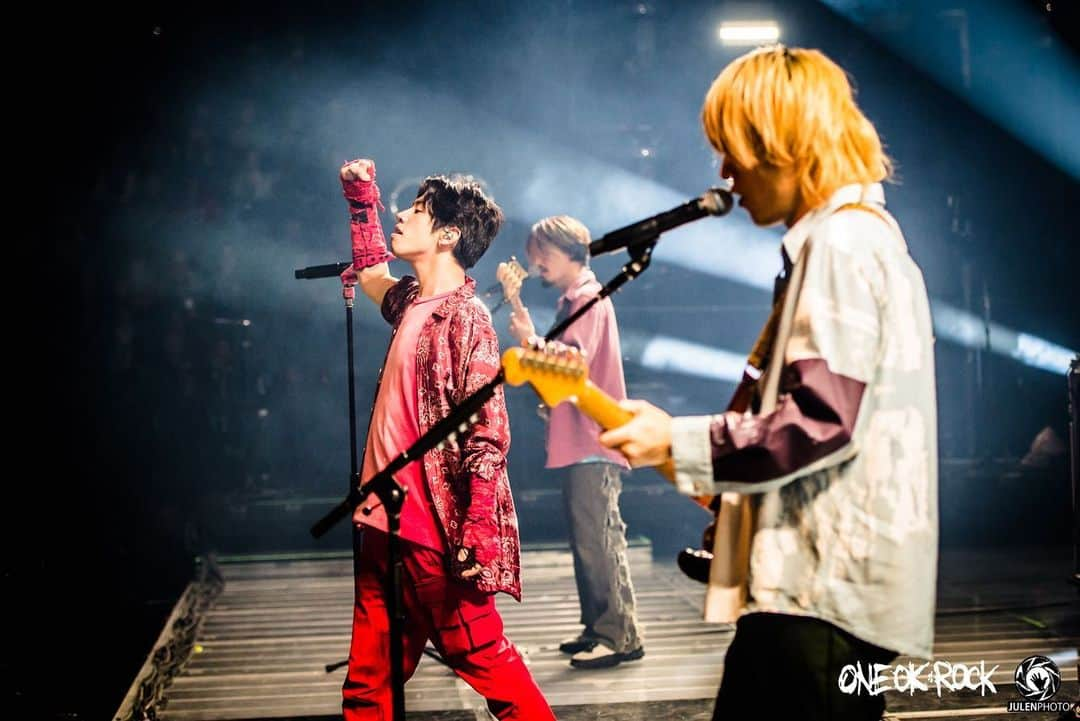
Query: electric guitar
{"x": 563, "y": 375}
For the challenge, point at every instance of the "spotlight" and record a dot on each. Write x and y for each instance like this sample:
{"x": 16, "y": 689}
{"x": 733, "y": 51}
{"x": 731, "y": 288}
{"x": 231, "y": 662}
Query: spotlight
{"x": 751, "y": 32}
{"x": 970, "y": 331}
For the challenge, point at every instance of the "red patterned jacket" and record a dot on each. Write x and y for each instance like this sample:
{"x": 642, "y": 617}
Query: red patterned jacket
{"x": 456, "y": 353}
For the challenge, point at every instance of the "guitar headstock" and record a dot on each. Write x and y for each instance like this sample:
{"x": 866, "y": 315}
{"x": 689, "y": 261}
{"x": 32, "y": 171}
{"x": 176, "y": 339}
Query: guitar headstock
{"x": 511, "y": 275}
{"x": 557, "y": 375}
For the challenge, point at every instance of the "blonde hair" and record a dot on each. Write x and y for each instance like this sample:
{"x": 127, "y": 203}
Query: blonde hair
{"x": 566, "y": 233}
{"x": 794, "y": 107}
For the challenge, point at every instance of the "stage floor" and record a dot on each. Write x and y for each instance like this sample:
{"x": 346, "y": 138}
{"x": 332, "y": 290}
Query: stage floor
{"x": 262, "y": 645}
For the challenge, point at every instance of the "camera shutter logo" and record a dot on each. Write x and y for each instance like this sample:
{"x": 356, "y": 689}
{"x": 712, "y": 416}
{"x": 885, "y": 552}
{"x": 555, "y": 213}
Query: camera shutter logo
{"x": 1037, "y": 678}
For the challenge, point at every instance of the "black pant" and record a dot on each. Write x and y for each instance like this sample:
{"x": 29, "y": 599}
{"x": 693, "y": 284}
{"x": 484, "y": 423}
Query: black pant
{"x": 780, "y": 666}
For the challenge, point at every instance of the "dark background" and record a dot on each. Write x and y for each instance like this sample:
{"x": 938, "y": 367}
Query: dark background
{"x": 182, "y": 162}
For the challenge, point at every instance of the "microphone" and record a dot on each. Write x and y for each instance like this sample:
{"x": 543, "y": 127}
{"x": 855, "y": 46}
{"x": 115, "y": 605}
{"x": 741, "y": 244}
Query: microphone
{"x": 332, "y": 270}
{"x": 714, "y": 201}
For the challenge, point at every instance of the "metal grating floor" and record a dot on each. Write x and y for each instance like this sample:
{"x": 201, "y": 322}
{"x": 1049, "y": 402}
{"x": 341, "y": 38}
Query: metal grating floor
{"x": 263, "y": 645}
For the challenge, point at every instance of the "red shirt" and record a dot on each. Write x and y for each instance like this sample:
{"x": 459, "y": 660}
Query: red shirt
{"x": 457, "y": 352}
{"x": 394, "y": 427}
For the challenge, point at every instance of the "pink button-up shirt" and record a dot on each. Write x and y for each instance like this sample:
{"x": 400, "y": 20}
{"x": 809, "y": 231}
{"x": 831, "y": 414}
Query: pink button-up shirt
{"x": 572, "y": 436}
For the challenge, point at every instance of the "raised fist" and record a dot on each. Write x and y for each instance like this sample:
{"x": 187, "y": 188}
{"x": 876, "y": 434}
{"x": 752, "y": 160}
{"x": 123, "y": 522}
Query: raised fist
{"x": 362, "y": 170}
{"x": 362, "y": 192}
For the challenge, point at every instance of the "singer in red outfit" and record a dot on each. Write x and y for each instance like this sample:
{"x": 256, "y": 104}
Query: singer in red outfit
{"x": 459, "y": 529}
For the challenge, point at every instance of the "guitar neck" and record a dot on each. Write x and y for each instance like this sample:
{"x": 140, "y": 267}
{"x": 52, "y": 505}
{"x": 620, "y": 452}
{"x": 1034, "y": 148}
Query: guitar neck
{"x": 606, "y": 411}
{"x": 601, "y": 407}
{"x": 516, "y": 304}
{"x": 562, "y": 377}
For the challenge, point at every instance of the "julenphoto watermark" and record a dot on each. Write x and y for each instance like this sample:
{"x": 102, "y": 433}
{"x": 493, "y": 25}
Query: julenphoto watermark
{"x": 1038, "y": 679}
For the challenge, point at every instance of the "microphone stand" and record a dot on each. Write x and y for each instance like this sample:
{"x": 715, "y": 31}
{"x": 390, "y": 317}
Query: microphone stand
{"x": 354, "y": 471}
{"x": 389, "y": 492}
{"x": 392, "y": 494}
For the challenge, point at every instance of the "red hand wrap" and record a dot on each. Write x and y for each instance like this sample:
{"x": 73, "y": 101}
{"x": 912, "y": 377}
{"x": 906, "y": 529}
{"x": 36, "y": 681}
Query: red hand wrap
{"x": 368, "y": 244}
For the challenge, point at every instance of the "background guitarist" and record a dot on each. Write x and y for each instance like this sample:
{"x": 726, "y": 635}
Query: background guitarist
{"x": 837, "y": 454}
{"x": 590, "y": 474}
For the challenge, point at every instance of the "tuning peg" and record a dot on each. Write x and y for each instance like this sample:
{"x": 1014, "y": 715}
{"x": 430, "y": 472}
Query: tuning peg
{"x": 463, "y": 427}
{"x": 474, "y": 418}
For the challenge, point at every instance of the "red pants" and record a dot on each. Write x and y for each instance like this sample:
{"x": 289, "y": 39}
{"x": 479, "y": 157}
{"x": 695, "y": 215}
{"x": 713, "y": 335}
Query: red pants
{"x": 462, "y": 622}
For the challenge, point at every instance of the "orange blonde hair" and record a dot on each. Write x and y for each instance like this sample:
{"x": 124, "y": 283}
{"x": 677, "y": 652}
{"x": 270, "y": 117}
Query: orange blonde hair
{"x": 794, "y": 107}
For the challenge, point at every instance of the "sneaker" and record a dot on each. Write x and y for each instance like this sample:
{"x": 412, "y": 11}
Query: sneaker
{"x": 576, "y": 644}
{"x": 604, "y": 657}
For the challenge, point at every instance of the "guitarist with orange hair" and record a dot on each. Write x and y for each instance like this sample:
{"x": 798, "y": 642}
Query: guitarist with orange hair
{"x": 835, "y": 459}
